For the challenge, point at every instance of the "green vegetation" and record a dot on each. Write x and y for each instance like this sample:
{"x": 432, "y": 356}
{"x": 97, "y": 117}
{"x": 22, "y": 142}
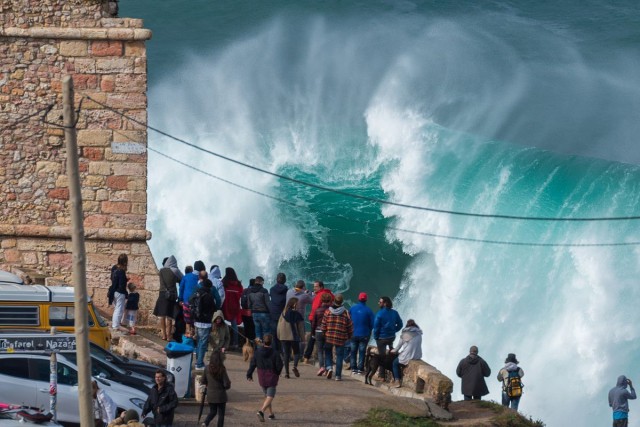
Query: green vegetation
{"x": 388, "y": 418}
{"x": 503, "y": 418}
{"x": 506, "y": 418}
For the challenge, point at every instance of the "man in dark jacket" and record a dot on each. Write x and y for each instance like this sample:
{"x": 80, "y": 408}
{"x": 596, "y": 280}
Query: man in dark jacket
{"x": 473, "y": 369}
{"x": 258, "y": 301}
{"x": 618, "y": 400}
{"x": 162, "y": 401}
{"x": 278, "y": 295}
{"x": 203, "y": 310}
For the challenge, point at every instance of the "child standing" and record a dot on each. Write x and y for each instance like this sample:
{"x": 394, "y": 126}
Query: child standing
{"x": 131, "y": 308}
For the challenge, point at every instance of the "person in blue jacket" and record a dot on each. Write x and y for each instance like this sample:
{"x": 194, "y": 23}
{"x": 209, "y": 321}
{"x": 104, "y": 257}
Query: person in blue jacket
{"x": 188, "y": 285}
{"x": 362, "y": 318}
{"x": 385, "y": 326}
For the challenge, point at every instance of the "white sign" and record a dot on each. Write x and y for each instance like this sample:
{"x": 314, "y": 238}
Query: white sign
{"x": 128, "y": 148}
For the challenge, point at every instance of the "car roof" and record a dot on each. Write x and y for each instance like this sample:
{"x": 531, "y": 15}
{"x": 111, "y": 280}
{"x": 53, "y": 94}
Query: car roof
{"x": 9, "y": 278}
{"x": 36, "y": 293}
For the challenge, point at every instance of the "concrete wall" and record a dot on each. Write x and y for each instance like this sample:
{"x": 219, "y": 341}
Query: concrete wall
{"x": 40, "y": 42}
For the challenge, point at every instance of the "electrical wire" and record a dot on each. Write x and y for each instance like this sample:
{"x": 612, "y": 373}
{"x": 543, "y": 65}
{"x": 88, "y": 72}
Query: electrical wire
{"x": 402, "y": 230}
{"x": 27, "y": 117}
{"x": 357, "y": 196}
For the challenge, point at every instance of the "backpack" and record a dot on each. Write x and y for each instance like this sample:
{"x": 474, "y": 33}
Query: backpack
{"x": 196, "y": 305}
{"x": 514, "y": 385}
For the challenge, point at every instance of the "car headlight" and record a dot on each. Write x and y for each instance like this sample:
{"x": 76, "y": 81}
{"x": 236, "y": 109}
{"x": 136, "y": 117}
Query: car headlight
{"x": 138, "y": 402}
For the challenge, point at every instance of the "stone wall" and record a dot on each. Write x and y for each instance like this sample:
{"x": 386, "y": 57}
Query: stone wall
{"x": 41, "y": 41}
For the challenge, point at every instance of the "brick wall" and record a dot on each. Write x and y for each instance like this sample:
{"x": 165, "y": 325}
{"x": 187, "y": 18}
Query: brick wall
{"x": 40, "y": 42}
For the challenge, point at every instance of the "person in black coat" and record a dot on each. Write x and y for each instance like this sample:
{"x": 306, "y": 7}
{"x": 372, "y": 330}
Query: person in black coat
{"x": 278, "y": 297}
{"x": 162, "y": 401}
{"x": 473, "y": 370}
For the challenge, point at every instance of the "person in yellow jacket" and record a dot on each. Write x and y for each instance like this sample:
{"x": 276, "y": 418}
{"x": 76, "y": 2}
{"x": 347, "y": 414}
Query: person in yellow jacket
{"x": 127, "y": 418}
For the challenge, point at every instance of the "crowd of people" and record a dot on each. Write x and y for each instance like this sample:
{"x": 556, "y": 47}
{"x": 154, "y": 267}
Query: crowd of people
{"x": 198, "y": 304}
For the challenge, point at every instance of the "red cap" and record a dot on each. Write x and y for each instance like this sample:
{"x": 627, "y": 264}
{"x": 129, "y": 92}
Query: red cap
{"x": 362, "y": 296}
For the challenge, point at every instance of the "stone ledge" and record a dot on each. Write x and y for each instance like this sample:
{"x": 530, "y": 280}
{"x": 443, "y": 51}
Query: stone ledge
{"x": 65, "y": 33}
{"x": 62, "y": 232}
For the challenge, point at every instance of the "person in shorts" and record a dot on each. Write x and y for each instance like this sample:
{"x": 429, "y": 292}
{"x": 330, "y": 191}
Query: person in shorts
{"x": 269, "y": 364}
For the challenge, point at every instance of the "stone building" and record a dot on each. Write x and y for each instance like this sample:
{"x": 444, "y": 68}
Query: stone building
{"x": 41, "y": 41}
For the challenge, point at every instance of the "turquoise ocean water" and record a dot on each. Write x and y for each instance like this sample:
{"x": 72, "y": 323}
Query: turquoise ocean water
{"x": 514, "y": 108}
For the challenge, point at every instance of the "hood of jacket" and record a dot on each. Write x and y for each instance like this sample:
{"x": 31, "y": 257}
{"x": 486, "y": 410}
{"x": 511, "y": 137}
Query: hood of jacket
{"x": 622, "y": 382}
{"x": 337, "y": 311}
{"x": 255, "y": 288}
{"x": 218, "y": 314}
{"x": 409, "y": 332}
{"x": 279, "y": 289}
{"x": 510, "y": 367}
{"x": 215, "y": 272}
{"x": 473, "y": 358}
{"x": 172, "y": 263}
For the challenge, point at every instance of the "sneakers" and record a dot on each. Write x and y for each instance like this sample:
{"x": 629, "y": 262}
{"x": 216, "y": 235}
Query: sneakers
{"x": 199, "y": 367}
{"x": 321, "y": 372}
{"x": 354, "y": 372}
{"x": 295, "y": 372}
{"x": 272, "y": 417}
{"x": 338, "y": 378}
{"x": 286, "y": 376}
{"x": 329, "y": 374}
{"x": 260, "y": 415}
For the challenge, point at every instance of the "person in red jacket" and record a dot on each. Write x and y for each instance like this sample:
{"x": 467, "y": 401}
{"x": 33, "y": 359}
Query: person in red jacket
{"x": 231, "y": 306}
{"x": 318, "y": 291}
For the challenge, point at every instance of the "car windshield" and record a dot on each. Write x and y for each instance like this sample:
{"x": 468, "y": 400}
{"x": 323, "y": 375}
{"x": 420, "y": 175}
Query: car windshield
{"x": 99, "y": 367}
{"x": 104, "y": 355}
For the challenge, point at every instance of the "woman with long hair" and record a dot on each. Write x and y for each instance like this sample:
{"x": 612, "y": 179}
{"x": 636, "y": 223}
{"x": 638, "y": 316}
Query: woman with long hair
{"x": 231, "y": 306}
{"x": 119, "y": 286}
{"x": 269, "y": 364}
{"x": 410, "y": 349}
{"x": 217, "y": 381}
{"x": 290, "y": 333}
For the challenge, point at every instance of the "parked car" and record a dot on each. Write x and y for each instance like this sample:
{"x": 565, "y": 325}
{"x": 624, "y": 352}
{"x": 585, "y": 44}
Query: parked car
{"x": 138, "y": 366}
{"x": 24, "y": 379}
{"x": 108, "y": 371}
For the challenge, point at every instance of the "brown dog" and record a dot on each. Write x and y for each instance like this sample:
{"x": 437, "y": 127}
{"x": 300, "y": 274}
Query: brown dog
{"x": 248, "y": 350}
{"x": 373, "y": 361}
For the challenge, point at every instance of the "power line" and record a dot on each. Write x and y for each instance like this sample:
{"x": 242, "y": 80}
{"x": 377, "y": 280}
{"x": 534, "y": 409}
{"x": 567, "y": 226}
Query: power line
{"x": 402, "y": 230}
{"x": 27, "y": 117}
{"x": 360, "y": 197}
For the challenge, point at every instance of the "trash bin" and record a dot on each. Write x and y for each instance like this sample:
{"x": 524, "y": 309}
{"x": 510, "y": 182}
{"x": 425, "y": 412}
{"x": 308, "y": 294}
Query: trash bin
{"x": 179, "y": 357}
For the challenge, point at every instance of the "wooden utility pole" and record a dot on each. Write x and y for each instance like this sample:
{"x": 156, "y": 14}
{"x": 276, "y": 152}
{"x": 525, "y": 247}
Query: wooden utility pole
{"x": 79, "y": 276}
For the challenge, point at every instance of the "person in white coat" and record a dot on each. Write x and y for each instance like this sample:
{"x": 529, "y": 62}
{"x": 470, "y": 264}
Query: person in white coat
{"x": 410, "y": 349}
{"x": 104, "y": 408}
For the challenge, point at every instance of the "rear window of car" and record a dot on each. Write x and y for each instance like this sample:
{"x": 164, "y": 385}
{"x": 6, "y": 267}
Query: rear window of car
{"x": 19, "y": 315}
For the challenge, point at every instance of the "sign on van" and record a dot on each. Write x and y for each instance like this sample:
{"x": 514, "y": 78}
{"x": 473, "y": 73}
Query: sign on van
{"x": 31, "y": 344}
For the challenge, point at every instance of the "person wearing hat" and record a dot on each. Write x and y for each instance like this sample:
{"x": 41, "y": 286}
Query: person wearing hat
{"x": 128, "y": 418}
{"x": 473, "y": 369}
{"x": 337, "y": 329}
{"x": 511, "y": 371}
{"x": 362, "y": 318}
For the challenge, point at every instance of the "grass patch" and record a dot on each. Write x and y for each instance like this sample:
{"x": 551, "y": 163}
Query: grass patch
{"x": 388, "y": 418}
{"x": 506, "y": 418}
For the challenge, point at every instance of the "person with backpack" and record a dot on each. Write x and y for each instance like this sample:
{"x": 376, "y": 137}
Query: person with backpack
{"x": 619, "y": 401}
{"x": 290, "y": 333}
{"x": 278, "y": 296}
{"x": 202, "y": 307}
{"x": 473, "y": 369}
{"x": 258, "y": 301}
{"x": 510, "y": 376}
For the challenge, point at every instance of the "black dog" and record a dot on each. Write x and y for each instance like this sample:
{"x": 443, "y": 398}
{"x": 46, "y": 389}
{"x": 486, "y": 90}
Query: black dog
{"x": 373, "y": 361}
